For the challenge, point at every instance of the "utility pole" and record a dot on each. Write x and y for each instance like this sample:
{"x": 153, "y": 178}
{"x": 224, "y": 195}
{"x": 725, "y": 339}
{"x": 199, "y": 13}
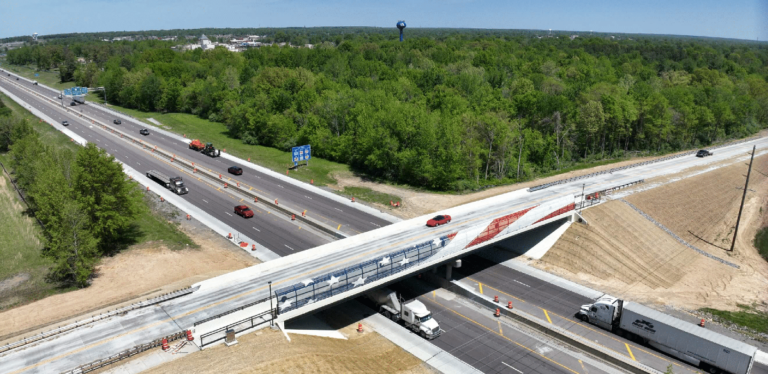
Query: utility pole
{"x": 582, "y": 196}
{"x": 743, "y": 197}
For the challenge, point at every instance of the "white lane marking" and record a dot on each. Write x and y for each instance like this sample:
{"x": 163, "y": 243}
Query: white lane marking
{"x": 507, "y": 365}
{"x": 288, "y": 247}
{"x": 339, "y": 210}
{"x": 374, "y": 224}
{"x": 515, "y": 280}
{"x": 308, "y": 197}
{"x": 230, "y": 214}
{"x": 139, "y": 164}
{"x": 205, "y": 201}
{"x": 280, "y": 186}
{"x": 257, "y": 229}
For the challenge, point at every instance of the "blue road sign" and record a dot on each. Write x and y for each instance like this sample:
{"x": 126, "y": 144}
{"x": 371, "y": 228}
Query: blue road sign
{"x": 68, "y": 92}
{"x": 37, "y": 75}
{"x": 301, "y": 153}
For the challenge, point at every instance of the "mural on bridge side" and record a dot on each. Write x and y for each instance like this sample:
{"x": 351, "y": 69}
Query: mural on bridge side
{"x": 312, "y": 290}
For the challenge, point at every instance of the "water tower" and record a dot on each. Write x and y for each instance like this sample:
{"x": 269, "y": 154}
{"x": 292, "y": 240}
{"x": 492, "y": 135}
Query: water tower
{"x": 401, "y": 26}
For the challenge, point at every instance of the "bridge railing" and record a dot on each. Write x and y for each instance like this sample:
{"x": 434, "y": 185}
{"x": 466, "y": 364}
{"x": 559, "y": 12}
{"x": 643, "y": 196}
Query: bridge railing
{"x": 238, "y": 327}
{"x": 339, "y": 281}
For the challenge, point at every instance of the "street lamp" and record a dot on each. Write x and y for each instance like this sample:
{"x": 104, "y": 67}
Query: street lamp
{"x": 271, "y": 310}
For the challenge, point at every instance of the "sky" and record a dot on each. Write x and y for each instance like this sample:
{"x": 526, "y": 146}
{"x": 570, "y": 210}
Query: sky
{"x": 740, "y": 19}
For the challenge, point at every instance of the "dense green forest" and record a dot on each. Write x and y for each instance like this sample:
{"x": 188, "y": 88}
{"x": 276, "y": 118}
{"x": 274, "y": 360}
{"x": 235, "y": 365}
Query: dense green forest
{"x": 448, "y": 110}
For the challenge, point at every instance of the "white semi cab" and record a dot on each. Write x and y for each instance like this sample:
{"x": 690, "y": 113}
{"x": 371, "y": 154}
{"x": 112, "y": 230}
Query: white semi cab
{"x": 414, "y": 313}
{"x": 712, "y": 352}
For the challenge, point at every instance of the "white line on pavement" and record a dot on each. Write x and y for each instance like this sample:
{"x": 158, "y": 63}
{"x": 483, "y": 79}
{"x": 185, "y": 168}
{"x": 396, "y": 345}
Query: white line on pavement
{"x": 507, "y": 365}
{"x": 257, "y": 229}
{"x": 230, "y": 214}
{"x": 521, "y": 283}
{"x": 288, "y": 247}
{"x": 205, "y": 201}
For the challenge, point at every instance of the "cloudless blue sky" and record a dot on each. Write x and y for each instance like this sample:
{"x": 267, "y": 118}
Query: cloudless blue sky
{"x": 742, "y": 19}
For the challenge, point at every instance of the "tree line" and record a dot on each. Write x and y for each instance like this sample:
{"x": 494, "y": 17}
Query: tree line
{"x": 449, "y": 110}
{"x": 81, "y": 198}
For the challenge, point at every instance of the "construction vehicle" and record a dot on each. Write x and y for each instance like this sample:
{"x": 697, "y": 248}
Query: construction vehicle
{"x": 175, "y": 184}
{"x": 196, "y": 145}
{"x": 207, "y": 148}
{"x": 414, "y": 314}
{"x": 712, "y": 352}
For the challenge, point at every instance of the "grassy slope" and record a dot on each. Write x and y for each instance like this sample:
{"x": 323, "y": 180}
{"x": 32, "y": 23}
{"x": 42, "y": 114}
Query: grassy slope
{"x": 48, "y": 78}
{"x": 748, "y": 316}
{"x": 25, "y": 258}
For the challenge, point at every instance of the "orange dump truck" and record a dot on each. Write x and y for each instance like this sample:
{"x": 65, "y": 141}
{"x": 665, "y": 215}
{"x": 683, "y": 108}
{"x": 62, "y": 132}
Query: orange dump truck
{"x": 196, "y": 145}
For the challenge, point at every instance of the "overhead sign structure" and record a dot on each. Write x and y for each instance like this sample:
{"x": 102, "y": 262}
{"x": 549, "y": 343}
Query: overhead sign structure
{"x": 301, "y": 153}
{"x": 76, "y": 91}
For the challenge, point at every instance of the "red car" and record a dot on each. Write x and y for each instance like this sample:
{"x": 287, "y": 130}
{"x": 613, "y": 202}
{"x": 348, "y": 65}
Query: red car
{"x": 244, "y": 211}
{"x": 439, "y": 220}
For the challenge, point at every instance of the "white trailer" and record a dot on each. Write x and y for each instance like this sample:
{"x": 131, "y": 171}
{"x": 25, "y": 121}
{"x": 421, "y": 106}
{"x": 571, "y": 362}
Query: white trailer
{"x": 414, "y": 313}
{"x": 712, "y": 352}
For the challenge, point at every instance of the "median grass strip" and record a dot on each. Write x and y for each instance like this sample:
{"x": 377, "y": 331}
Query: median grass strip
{"x": 49, "y": 78}
{"x": 367, "y": 194}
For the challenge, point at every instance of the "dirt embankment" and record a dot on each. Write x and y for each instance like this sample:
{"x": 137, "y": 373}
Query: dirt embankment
{"x": 136, "y": 274}
{"x": 622, "y": 253}
{"x": 267, "y": 351}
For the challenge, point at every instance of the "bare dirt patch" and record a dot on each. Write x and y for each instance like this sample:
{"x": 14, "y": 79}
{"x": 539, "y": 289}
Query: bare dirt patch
{"x": 267, "y": 351}
{"x": 142, "y": 272}
{"x": 417, "y": 203}
{"x": 622, "y": 253}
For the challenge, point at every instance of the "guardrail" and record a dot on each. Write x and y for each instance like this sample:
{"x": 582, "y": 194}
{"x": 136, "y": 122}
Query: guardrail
{"x": 199, "y": 171}
{"x": 595, "y": 197}
{"x": 689, "y": 153}
{"x": 240, "y": 326}
{"x": 102, "y": 316}
{"x": 230, "y": 311}
{"x": 95, "y": 365}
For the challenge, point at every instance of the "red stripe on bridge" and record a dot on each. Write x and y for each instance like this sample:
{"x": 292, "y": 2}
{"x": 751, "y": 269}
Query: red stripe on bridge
{"x": 558, "y": 212}
{"x": 498, "y": 225}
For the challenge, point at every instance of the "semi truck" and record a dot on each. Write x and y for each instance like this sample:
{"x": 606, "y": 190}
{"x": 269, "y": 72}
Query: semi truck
{"x": 414, "y": 314}
{"x": 175, "y": 184}
{"x": 706, "y": 349}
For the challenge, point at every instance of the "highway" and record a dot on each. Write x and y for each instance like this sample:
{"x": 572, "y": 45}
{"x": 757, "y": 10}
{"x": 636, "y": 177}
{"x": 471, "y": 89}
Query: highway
{"x": 352, "y": 221}
{"x": 218, "y": 296}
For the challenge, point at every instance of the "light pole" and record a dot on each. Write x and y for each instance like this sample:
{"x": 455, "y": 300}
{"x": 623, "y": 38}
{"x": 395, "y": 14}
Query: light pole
{"x": 271, "y": 309}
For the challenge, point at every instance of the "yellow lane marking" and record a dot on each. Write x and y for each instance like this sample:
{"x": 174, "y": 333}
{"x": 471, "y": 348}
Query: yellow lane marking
{"x": 496, "y": 289}
{"x": 480, "y": 285}
{"x": 546, "y": 314}
{"x": 582, "y": 367}
{"x": 433, "y": 295}
{"x": 338, "y": 228}
{"x": 630, "y": 352}
{"x": 508, "y": 339}
{"x": 501, "y": 332}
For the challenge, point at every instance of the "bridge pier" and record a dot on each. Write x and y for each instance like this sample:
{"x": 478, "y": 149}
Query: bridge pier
{"x": 449, "y": 268}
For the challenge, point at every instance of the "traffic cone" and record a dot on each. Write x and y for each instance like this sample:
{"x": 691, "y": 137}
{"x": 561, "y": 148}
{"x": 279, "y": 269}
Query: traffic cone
{"x": 509, "y": 305}
{"x": 161, "y": 199}
{"x": 249, "y": 159}
{"x": 293, "y": 217}
{"x": 286, "y": 172}
{"x": 188, "y": 217}
{"x": 304, "y": 213}
{"x": 147, "y": 188}
{"x": 254, "y": 247}
{"x": 276, "y": 202}
{"x": 353, "y": 199}
{"x": 225, "y": 185}
{"x": 311, "y": 181}
{"x": 238, "y": 184}
{"x": 219, "y": 176}
{"x": 255, "y": 199}
{"x": 165, "y": 344}
{"x": 229, "y": 236}
{"x": 359, "y": 327}
{"x": 701, "y": 323}
{"x": 189, "y": 335}
{"x": 498, "y": 313}
{"x": 495, "y": 299}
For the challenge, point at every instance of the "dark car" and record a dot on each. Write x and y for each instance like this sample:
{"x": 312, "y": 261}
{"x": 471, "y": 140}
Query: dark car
{"x": 144, "y": 132}
{"x": 65, "y": 123}
{"x": 703, "y": 153}
{"x": 117, "y": 122}
{"x": 236, "y": 170}
{"x": 17, "y": 78}
{"x": 72, "y": 103}
{"x": 244, "y": 211}
{"x": 439, "y": 220}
